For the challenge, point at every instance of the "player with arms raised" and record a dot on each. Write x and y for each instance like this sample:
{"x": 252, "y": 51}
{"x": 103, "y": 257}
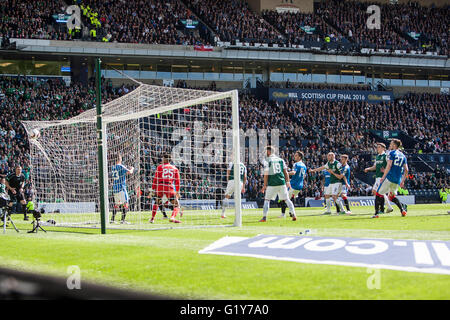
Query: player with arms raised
{"x": 119, "y": 175}
{"x": 334, "y": 167}
{"x": 230, "y": 185}
{"x": 379, "y": 167}
{"x": 276, "y": 182}
{"x": 166, "y": 187}
{"x": 394, "y": 176}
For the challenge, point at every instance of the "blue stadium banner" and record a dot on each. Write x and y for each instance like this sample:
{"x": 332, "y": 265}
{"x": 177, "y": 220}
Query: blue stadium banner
{"x": 331, "y": 95}
{"x": 357, "y": 201}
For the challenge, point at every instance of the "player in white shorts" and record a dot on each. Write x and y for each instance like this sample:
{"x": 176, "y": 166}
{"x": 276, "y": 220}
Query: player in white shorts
{"x": 230, "y": 185}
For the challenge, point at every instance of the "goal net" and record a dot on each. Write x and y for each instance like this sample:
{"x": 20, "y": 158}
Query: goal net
{"x": 198, "y": 130}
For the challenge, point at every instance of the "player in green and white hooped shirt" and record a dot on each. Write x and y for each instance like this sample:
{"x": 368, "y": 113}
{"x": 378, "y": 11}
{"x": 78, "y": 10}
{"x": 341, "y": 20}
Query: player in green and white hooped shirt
{"x": 334, "y": 167}
{"x": 379, "y": 166}
{"x": 276, "y": 182}
{"x": 230, "y": 185}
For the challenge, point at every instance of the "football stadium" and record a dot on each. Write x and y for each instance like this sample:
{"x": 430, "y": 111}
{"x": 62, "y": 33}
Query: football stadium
{"x": 225, "y": 150}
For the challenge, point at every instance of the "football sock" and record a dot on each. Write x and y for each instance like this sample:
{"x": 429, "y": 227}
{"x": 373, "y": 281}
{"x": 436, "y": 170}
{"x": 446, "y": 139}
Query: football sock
{"x": 114, "y": 213}
{"x": 224, "y": 205}
{"x": 398, "y": 203}
{"x": 124, "y": 213}
{"x": 347, "y": 205}
{"x": 283, "y": 207}
{"x": 328, "y": 202}
{"x": 291, "y": 206}
{"x": 266, "y": 208}
{"x": 163, "y": 210}
{"x": 175, "y": 212}
{"x": 386, "y": 201}
{"x": 154, "y": 209}
{"x": 379, "y": 200}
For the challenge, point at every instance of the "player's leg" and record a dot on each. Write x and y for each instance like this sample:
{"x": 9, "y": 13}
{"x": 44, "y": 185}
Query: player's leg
{"x": 394, "y": 199}
{"x": 116, "y": 205}
{"x": 155, "y": 208}
{"x": 345, "y": 199}
{"x": 228, "y": 193}
{"x": 124, "y": 206}
{"x": 176, "y": 209}
{"x": 271, "y": 193}
{"x": 284, "y": 195}
{"x": 335, "y": 191}
{"x": 387, "y": 203}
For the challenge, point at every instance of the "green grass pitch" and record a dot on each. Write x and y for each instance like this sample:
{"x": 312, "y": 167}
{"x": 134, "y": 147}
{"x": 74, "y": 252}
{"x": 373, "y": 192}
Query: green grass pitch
{"x": 167, "y": 261}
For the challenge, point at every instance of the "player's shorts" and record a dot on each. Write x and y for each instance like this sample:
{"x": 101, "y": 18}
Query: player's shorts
{"x": 230, "y": 187}
{"x": 344, "y": 189}
{"x": 376, "y": 184}
{"x": 294, "y": 192}
{"x": 273, "y": 191}
{"x": 121, "y": 197}
{"x": 166, "y": 195}
{"x": 387, "y": 187}
{"x": 19, "y": 196}
{"x": 327, "y": 190}
{"x": 336, "y": 188}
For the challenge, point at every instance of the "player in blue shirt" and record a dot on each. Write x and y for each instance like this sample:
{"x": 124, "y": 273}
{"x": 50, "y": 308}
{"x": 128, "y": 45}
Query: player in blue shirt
{"x": 345, "y": 181}
{"x": 119, "y": 177}
{"x": 394, "y": 176}
{"x": 298, "y": 176}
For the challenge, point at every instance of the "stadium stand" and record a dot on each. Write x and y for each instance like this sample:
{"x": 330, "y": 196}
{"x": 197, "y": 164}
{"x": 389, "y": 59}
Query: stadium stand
{"x": 315, "y": 127}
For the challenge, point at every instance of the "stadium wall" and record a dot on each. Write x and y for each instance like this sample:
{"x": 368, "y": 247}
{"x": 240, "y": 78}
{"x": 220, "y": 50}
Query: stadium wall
{"x": 425, "y": 3}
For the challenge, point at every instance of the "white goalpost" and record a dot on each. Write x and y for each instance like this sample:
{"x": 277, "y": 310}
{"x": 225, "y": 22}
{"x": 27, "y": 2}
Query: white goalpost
{"x": 198, "y": 129}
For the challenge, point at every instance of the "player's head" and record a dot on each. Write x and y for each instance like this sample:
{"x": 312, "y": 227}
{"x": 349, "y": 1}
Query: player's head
{"x": 331, "y": 156}
{"x": 2, "y": 180}
{"x": 270, "y": 150}
{"x": 298, "y": 156}
{"x": 18, "y": 170}
{"x": 344, "y": 158}
{"x": 118, "y": 158}
{"x": 381, "y": 147}
{"x": 395, "y": 144}
{"x": 165, "y": 157}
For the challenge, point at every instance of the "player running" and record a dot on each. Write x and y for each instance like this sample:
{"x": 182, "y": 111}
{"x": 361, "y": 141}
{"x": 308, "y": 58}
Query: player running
{"x": 334, "y": 167}
{"x": 276, "y": 182}
{"x": 394, "y": 176}
{"x": 166, "y": 177}
{"x": 230, "y": 185}
{"x": 298, "y": 174}
{"x": 119, "y": 175}
{"x": 379, "y": 167}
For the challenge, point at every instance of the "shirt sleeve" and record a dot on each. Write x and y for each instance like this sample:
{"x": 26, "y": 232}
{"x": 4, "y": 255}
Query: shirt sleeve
{"x": 266, "y": 166}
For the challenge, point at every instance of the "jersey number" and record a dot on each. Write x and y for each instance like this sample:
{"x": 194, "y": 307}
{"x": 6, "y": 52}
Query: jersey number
{"x": 398, "y": 161}
{"x": 276, "y": 167}
{"x": 167, "y": 173}
{"x": 115, "y": 175}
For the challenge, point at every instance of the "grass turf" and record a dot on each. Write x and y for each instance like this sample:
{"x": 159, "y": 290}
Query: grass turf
{"x": 167, "y": 261}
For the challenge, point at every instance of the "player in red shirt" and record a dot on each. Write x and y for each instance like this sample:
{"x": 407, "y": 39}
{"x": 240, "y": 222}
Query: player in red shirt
{"x": 166, "y": 187}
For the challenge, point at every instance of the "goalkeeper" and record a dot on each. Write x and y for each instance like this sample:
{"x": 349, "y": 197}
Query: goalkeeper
{"x": 166, "y": 176}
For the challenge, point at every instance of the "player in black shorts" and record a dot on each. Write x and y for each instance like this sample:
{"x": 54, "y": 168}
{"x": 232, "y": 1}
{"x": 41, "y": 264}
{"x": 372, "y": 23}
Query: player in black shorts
{"x": 14, "y": 185}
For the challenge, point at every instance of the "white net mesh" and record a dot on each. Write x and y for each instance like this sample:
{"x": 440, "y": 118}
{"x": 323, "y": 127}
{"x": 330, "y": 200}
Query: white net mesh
{"x": 194, "y": 127}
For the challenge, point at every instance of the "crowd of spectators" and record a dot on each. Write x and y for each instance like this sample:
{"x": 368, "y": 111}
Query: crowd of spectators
{"x": 233, "y": 20}
{"x": 150, "y": 22}
{"x": 407, "y": 26}
{"x": 399, "y": 23}
{"x": 301, "y": 27}
{"x": 321, "y": 86}
{"x": 314, "y": 127}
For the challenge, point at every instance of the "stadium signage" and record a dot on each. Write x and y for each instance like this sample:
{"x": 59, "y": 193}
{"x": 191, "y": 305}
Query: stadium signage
{"x": 330, "y": 95}
{"x": 405, "y": 255}
{"x": 357, "y": 201}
